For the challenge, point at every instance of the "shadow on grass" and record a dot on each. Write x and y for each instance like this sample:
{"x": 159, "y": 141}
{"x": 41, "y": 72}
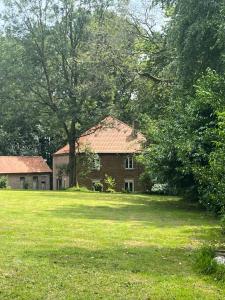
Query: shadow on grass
{"x": 166, "y": 213}
{"x": 148, "y": 260}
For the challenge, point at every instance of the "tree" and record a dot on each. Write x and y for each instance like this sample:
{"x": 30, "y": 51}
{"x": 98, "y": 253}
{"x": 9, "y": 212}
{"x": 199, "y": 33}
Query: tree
{"x": 182, "y": 140}
{"x": 25, "y": 128}
{"x": 64, "y": 43}
{"x": 195, "y": 33}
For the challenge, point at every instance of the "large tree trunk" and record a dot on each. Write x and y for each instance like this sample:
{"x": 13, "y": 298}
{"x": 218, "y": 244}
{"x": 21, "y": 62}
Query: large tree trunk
{"x": 72, "y": 163}
{"x": 72, "y": 158}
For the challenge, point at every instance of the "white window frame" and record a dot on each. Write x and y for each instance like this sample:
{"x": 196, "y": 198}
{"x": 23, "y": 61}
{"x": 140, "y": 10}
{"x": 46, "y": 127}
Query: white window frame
{"x": 129, "y": 163}
{"x": 129, "y": 181}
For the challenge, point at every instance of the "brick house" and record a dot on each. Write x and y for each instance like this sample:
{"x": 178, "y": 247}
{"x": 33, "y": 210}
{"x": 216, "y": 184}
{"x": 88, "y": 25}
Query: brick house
{"x": 26, "y": 172}
{"x": 116, "y": 144}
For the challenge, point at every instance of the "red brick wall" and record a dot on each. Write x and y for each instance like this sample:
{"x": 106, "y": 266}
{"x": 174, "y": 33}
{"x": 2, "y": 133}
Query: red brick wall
{"x": 111, "y": 164}
{"x": 114, "y": 165}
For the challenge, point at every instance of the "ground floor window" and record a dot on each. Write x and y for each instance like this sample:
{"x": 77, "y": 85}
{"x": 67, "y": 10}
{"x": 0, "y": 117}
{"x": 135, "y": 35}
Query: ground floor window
{"x": 129, "y": 185}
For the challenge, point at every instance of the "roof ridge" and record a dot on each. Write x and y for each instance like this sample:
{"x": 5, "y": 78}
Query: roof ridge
{"x": 122, "y": 123}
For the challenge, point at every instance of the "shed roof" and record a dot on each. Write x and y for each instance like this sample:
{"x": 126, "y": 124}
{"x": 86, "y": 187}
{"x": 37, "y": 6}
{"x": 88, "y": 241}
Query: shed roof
{"x": 23, "y": 165}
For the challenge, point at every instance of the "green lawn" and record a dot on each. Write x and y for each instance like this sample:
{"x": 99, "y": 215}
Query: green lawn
{"x": 62, "y": 245}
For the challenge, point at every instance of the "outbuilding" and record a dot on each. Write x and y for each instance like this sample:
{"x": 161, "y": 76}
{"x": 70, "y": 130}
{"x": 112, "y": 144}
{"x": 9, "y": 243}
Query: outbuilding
{"x": 26, "y": 172}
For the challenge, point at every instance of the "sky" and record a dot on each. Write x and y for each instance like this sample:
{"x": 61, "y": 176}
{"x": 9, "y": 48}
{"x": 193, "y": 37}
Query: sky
{"x": 138, "y": 8}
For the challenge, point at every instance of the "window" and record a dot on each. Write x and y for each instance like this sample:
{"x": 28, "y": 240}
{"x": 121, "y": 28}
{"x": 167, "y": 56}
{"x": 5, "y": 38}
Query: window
{"x": 129, "y": 165}
{"x": 129, "y": 185}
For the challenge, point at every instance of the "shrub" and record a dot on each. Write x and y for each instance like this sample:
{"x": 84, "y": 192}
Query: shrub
{"x": 147, "y": 182}
{"x": 26, "y": 185}
{"x": 206, "y": 264}
{"x": 110, "y": 184}
{"x": 160, "y": 189}
{"x": 204, "y": 261}
{"x": 98, "y": 186}
{"x": 3, "y": 182}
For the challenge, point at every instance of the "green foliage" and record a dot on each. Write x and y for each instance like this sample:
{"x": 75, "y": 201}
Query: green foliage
{"x": 110, "y": 184}
{"x": 63, "y": 44}
{"x": 186, "y": 145}
{"x": 98, "y": 187}
{"x": 211, "y": 177}
{"x": 146, "y": 180}
{"x": 78, "y": 189}
{"x": 205, "y": 263}
{"x": 184, "y": 151}
{"x": 193, "y": 32}
{"x": 87, "y": 161}
{"x": 160, "y": 189}
{"x": 3, "y": 182}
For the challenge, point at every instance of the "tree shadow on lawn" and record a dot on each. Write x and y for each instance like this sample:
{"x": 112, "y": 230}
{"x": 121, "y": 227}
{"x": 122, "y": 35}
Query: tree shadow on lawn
{"x": 148, "y": 260}
{"x": 169, "y": 213}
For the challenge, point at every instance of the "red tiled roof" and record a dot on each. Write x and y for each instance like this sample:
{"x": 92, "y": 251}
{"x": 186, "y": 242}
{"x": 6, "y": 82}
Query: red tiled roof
{"x": 109, "y": 136}
{"x": 23, "y": 164}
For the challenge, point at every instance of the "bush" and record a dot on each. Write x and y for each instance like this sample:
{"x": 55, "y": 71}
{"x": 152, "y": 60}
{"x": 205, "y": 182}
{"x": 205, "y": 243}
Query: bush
{"x": 160, "y": 189}
{"x": 205, "y": 263}
{"x": 98, "y": 186}
{"x": 26, "y": 185}
{"x": 3, "y": 182}
{"x": 110, "y": 184}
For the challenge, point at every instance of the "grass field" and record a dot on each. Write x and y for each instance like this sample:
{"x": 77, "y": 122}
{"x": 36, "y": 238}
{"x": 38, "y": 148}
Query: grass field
{"x": 61, "y": 245}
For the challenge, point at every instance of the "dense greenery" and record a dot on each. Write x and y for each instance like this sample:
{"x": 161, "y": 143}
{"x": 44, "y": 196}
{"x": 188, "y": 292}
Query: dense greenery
{"x": 66, "y": 66}
{"x": 186, "y": 144}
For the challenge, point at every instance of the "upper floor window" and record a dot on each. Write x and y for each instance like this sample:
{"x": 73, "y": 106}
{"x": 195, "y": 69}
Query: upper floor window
{"x": 129, "y": 164}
